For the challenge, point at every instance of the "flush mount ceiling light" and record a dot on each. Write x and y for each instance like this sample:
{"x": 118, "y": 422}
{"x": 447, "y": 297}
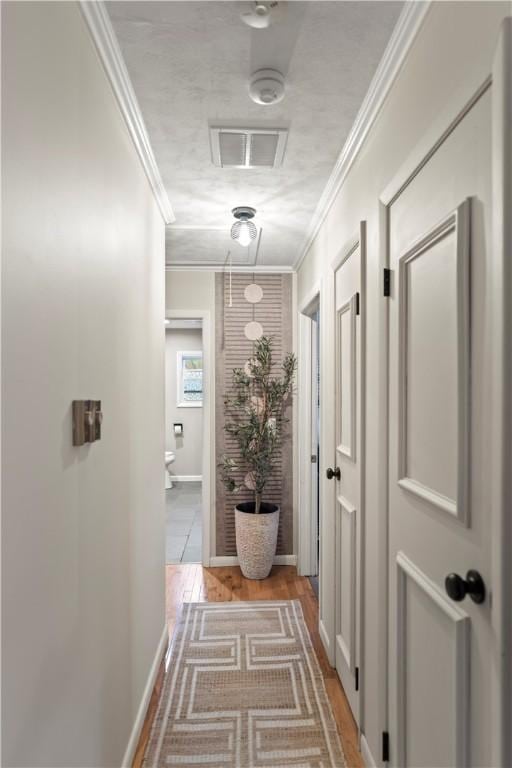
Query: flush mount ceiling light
{"x": 244, "y": 230}
{"x": 260, "y": 14}
{"x": 266, "y": 87}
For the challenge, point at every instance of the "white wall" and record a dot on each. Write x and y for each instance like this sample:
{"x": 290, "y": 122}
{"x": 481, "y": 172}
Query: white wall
{"x": 450, "y": 58}
{"x": 189, "y": 289}
{"x": 188, "y": 448}
{"x": 82, "y": 316}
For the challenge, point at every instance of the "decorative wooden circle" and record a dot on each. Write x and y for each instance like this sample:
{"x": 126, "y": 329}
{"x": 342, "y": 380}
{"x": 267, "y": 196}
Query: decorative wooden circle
{"x": 253, "y": 293}
{"x": 253, "y": 331}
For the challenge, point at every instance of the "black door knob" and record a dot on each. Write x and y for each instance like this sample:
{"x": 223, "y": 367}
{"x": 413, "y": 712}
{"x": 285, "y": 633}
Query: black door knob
{"x": 333, "y": 473}
{"x": 473, "y": 585}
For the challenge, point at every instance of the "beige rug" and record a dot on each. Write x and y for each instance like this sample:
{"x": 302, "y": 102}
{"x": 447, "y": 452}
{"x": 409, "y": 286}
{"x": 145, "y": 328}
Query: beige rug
{"x": 243, "y": 689}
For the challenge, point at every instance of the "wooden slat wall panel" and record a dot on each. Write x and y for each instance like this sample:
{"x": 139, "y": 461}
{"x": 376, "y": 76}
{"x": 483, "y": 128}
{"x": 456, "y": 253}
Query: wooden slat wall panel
{"x": 233, "y": 349}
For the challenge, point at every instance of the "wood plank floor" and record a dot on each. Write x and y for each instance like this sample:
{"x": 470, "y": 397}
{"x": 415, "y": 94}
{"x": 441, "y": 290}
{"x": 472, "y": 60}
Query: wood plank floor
{"x": 193, "y": 583}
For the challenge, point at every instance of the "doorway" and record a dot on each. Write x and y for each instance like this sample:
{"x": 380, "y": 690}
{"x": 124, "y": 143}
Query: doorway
{"x": 309, "y": 441}
{"x": 315, "y": 447}
{"x": 183, "y": 438}
{"x": 187, "y": 431}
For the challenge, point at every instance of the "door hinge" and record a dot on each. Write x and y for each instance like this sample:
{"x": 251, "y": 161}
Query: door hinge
{"x": 357, "y": 678}
{"x": 385, "y": 747}
{"x": 358, "y": 309}
{"x": 387, "y": 282}
{"x": 313, "y": 459}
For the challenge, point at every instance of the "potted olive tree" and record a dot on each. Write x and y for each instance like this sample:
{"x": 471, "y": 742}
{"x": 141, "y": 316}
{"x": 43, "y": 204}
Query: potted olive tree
{"x": 255, "y": 418}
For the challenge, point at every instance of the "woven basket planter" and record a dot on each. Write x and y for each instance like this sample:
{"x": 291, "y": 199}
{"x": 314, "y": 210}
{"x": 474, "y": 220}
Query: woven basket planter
{"x": 256, "y": 538}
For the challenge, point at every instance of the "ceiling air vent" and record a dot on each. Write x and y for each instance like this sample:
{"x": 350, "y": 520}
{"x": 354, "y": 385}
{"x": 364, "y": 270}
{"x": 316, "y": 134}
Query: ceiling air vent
{"x": 248, "y": 147}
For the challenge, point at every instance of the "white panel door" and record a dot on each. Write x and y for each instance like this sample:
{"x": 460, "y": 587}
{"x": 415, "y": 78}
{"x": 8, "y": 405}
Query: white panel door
{"x": 347, "y": 473}
{"x": 440, "y": 646}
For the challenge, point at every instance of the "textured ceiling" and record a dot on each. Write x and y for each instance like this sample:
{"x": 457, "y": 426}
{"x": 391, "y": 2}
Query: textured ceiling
{"x": 190, "y": 63}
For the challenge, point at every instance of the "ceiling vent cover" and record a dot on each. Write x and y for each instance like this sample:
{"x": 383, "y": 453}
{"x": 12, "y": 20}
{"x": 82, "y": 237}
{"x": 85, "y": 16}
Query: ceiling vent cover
{"x": 248, "y": 147}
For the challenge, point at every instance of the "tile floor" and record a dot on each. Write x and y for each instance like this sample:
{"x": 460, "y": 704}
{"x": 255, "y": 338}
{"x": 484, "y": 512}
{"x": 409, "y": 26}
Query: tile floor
{"x": 183, "y": 539}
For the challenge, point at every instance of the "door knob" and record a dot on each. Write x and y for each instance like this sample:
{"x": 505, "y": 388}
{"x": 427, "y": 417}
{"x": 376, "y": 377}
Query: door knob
{"x": 333, "y": 473}
{"x": 473, "y": 585}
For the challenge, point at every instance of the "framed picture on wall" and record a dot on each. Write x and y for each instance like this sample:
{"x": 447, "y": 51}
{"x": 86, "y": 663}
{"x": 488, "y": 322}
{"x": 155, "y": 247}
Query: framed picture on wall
{"x": 190, "y": 379}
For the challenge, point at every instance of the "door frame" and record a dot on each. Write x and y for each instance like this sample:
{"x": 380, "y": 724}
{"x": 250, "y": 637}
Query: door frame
{"x": 307, "y": 525}
{"x": 500, "y": 80}
{"x": 501, "y": 502}
{"x": 327, "y": 565}
{"x": 208, "y": 452}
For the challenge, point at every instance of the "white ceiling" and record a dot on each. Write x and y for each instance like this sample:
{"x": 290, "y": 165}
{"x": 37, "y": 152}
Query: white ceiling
{"x": 190, "y": 62}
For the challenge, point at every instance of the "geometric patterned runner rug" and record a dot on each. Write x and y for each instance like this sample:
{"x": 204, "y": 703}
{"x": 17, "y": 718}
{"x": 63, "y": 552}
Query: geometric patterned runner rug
{"x": 243, "y": 690}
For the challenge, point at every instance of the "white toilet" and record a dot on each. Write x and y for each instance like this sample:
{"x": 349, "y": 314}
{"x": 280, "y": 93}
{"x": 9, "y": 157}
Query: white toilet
{"x": 170, "y": 458}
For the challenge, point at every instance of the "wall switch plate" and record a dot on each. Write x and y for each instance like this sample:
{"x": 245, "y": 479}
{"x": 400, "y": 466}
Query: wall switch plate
{"x": 87, "y": 421}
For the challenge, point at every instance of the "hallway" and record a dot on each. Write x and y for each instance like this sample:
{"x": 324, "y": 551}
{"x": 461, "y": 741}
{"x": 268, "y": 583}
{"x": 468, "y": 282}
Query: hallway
{"x": 264, "y": 247}
{"x": 192, "y": 583}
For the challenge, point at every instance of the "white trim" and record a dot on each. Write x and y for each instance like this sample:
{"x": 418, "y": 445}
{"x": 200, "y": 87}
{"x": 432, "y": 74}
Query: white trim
{"x": 324, "y": 637}
{"x": 434, "y": 137}
{"x": 458, "y": 223}
{"x": 406, "y": 569}
{"x": 403, "y": 36}
{"x": 382, "y": 568}
{"x": 220, "y": 561}
{"x": 347, "y": 645}
{"x": 146, "y": 697}
{"x": 347, "y": 450}
{"x": 346, "y": 250}
{"x": 257, "y": 268}
{"x": 208, "y": 460}
{"x": 308, "y": 303}
{"x": 361, "y": 654}
{"x": 368, "y": 758}
{"x": 327, "y": 564}
{"x": 429, "y": 495}
{"x": 306, "y": 524}
{"x": 501, "y": 412}
{"x": 314, "y": 442}
{"x": 186, "y": 478}
{"x": 104, "y": 37}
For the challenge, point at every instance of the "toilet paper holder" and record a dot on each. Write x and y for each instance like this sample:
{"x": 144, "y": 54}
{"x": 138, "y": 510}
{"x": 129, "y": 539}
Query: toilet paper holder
{"x": 178, "y": 430}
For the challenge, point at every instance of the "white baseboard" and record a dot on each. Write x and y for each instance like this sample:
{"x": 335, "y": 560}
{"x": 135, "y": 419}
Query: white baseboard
{"x": 324, "y": 638}
{"x": 144, "y": 703}
{"x": 366, "y": 753}
{"x": 220, "y": 561}
{"x": 187, "y": 478}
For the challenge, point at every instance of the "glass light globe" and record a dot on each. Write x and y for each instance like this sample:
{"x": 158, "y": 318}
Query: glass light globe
{"x": 243, "y": 230}
{"x": 244, "y": 234}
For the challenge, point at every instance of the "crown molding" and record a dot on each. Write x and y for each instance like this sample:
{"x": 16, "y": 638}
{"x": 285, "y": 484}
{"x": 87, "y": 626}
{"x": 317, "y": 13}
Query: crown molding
{"x": 104, "y": 37}
{"x": 257, "y": 269}
{"x": 404, "y": 33}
